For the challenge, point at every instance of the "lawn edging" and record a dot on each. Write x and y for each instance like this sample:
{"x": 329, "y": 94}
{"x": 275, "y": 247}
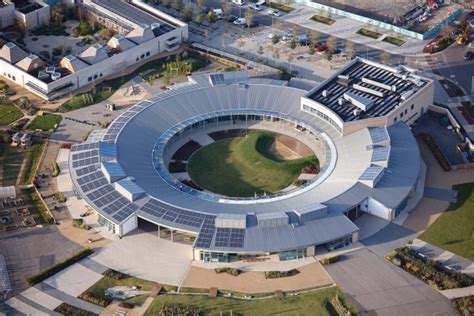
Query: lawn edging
{"x": 55, "y": 268}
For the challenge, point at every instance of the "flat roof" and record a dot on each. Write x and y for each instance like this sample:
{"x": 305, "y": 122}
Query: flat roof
{"x": 364, "y": 89}
{"x": 134, "y": 14}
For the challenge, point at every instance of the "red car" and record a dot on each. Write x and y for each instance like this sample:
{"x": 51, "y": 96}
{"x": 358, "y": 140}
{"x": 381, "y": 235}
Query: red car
{"x": 321, "y": 47}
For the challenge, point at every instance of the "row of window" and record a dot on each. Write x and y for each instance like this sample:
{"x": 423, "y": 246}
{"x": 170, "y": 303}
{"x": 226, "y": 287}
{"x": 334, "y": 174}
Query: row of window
{"x": 403, "y": 113}
{"x": 323, "y": 116}
{"x": 95, "y": 77}
{"x": 9, "y": 76}
{"x": 147, "y": 54}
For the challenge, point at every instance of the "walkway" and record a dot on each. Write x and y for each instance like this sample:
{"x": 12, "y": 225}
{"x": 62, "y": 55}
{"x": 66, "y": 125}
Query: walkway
{"x": 64, "y": 286}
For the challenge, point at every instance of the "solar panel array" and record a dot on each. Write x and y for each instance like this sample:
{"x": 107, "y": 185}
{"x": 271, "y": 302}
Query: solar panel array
{"x": 174, "y": 214}
{"x": 230, "y": 237}
{"x": 93, "y": 185}
{"x": 380, "y": 153}
{"x": 204, "y": 239}
{"x": 382, "y": 105}
{"x": 86, "y": 170}
{"x": 125, "y": 212}
{"x": 378, "y": 134}
{"x": 116, "y": 205}
{"x": 217, "y": 79}
{"x": 371, "y": 173}
{"x": 95, "y": 195}
{"x": 85, "y": 146}
{"x": 88, "y": 178}
{"x": 85, "y": 162}
{"x": 85, "y": 154}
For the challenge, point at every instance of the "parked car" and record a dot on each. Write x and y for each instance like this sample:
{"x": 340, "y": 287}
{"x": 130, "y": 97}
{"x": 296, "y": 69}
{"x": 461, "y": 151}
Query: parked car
{"x": 304, "y": 40}
{"x": 239, "y": 2}
{"x": 240, "y": 21}
{"x": 232, "y": 18}
{"x": 321, "y": 47}
{"x": 468, "y": 55}
{"x": 274, "y": 12}
{"x": 256, "y": 6}
{"x": 287, "y": 37}
{"x": 217, "y": 12}
{"x": 253, "y": 24}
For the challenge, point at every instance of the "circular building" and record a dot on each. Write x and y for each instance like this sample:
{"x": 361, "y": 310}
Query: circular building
{"x": 154, "y": 168}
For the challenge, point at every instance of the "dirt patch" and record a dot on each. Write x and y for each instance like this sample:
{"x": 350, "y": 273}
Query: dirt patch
{"x": 288, "y": 148}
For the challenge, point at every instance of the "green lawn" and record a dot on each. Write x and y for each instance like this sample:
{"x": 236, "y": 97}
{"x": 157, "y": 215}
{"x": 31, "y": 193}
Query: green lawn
{"x": 312, "y": 303}
{"x": 454, "y": 229}
{"x": 45, "y": 122}
{"x": 9, "y": 114}
{"x": 281, "y": 7}
{"x": 11, "y": 160}
{"x": 243, "y": 166}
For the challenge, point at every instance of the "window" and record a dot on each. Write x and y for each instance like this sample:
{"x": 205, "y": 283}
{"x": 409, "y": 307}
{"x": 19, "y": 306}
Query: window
{"x": 89, "y": 79}
{"x": 138, "y": 58}
{"x": 395, "y": 119}
{"x": 147, "y": 54}
{"x": 100, "y": 75}
{"x": 13, "y": 77}
{"x": 142, "y": 56}
{"x": 401, "y": 115}
{"x": 95, "y": 76}
{"x": 406, "y": 111}
{"x": 412, "y": 106}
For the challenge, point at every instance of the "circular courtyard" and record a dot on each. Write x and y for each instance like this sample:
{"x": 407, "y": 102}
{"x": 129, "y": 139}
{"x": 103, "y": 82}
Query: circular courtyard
{"x": 246, "y": 163}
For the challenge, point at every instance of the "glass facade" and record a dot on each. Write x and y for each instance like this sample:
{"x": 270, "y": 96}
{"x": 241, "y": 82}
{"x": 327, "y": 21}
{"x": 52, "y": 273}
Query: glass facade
{"x": 292, "y": 254}
{"x": 208, "y": 256}
{"x": 107, "y": 224}
{"x": 339, "y": 243}
{"x": 323, "y": 116}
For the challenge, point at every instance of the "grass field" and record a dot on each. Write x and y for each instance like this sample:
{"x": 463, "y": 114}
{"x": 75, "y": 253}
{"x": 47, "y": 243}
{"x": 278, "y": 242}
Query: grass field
{"x": 454, "y": 229}
{"x": 9, "y": 114}
{"x": 322, "y": 19}
{"x": 11, "y": 160}
{"x": 243, "y": 166}
{"x": 45, "y": 122}
{"x": 312, "y": 303}
{"x": 369, "y": 33}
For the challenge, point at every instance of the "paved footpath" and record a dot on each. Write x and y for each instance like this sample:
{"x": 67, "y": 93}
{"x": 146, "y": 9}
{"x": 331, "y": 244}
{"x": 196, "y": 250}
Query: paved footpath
{"x": 63, "y": 287}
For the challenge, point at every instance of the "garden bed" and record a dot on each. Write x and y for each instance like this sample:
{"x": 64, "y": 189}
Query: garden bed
{"x": 429, "y": 271}
{"x": 69, "y": 310}
{"x": 280, "y": 274}
{"x": 96, "y": 293}
{"x": 322, "y": 19}
{"x": 369, "y": 33}
{"x": 281, "y": 7}
{"x": 393, "y": 40}
{"x": 228, "y": 270}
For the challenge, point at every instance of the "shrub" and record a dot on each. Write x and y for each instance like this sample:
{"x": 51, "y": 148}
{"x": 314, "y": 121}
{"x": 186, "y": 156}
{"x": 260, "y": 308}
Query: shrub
{"x": 55, "y": 268}
{"x": 96, "y": 299}
{"x": 329, "y": 260}
{"x": 228, "y": 270}
{"x": 55, "y": 169}
{"x": 280, "y": 274}
{"x": 116, "y": 275}
{"x": 79, "y": 223}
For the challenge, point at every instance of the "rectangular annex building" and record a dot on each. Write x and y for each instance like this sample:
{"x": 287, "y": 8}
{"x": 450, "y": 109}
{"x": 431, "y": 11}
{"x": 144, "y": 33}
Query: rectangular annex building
{"x": 368, "y": 94}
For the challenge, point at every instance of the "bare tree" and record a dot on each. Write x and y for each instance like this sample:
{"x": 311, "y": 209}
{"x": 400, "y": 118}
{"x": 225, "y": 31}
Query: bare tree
{"x": 249, "y": 15}
{"x": 332, "y": 43}
{"x": 350, "y": 49}
{"x": 385, "y": 57}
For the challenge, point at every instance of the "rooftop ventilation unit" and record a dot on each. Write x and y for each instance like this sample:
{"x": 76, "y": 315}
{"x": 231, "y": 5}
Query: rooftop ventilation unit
{"x": 243, "y": 86}
{"x": 357, "y": 112}
{"x": 406, "y": 95}
{"x": 377, "y": 83}
{"x": 356, "y": 100}
{"x": 368, "y": 90}
{"x": 325, "y": 93}
{"x": 155, "y": 25}
{"x": 341, "y": 101}
{"x": 55, "y": 75}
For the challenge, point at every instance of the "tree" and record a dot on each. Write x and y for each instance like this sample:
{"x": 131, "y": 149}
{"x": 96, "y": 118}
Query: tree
{"x": 350, "y": 49}
{"x": 447, "y": 31}
{"x": 311, "y": 50}
{"x": 385, "y": 57}
{"x": 249, "y": 15}
{"x": 188, "y": 12}
{"x": 332, "y": 43}
{"x": 293, "y": 43}
{"x": 212, "y": 16}
{"x": 178, "y": 5}
{"x": 200, "y": 6}
{"x": 275, "y": 39}
{"x": 199, "y": 18}
{"x": 314, "y": 37}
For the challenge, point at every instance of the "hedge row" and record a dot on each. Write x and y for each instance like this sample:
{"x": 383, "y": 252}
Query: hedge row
{"x": 228, "y": 270}
{"x": 55, "y": 268}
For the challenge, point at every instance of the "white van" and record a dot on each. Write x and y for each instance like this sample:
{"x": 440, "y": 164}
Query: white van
{"x": 239, "y": 2}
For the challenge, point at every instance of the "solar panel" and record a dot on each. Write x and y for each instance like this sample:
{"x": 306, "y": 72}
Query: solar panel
{"x": 380, "y": 154}
{"x": 125, "y": 212}
{"x": 217, "y": 79}
{"x": 378, "y": 134}
{"x": 93, "y": 185}
{"x": 85, "y": 170}
{"x": 85, "y": 154}
{"x": 371, "y": 173}
{"x": 206, "y": 233}
{"x": 89, "y": 178}
{"x": 84, "y": 146}
{"x": 229, "y": 237}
